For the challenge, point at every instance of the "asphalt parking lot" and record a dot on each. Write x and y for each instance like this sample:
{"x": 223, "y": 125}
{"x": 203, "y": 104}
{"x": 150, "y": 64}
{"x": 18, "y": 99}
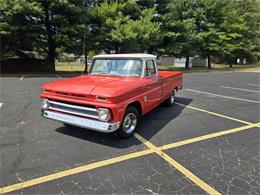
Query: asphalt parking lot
{"x": 207, "y": 143}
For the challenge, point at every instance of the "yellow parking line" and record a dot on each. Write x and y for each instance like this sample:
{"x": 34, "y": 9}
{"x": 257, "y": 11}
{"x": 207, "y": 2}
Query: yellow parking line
{"x": 54, "y": 176}
{"x": 178, "y": 166}
{"x": 1, "y": 104}
{"x": 205, "y": 137}
{"x": 76, "y": 170}
{"x": 214, "y": 113}
{"x": 240, "y": 89}
{"x": 223, "y": 96}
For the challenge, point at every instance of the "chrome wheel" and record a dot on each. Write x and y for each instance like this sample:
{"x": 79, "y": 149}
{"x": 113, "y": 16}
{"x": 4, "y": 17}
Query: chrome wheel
{"x": 129, "y": 123}
{"x": 172, "y": 97}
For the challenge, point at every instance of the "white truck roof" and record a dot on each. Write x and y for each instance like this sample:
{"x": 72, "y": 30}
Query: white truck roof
{"x": 134, "y": 55}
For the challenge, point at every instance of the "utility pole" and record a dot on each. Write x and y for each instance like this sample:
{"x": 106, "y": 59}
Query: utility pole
{"x": 84, "y": 51}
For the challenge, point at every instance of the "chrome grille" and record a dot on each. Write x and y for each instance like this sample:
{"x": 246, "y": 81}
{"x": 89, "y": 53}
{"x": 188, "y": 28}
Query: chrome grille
{"x": 73, "y": 109}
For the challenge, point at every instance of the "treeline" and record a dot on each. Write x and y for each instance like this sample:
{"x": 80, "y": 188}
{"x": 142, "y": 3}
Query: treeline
{"x": 223, "y": 29}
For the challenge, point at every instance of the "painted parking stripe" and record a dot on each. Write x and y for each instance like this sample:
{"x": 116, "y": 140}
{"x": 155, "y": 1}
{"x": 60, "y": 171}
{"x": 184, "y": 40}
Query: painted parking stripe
{"x": 72, "y": 171}
{"x": 223, "y": 96}
{"x": 217, "y": 114}
{"x": 253, "y": 84}
{"x": 209, "y": 136}
{"x": 1, "y": 104}
{"x": 213, "y": 113}
{"x": 84, "y": 168}
{"x": 178, "y": 166}
{"x": 240, "y": 89}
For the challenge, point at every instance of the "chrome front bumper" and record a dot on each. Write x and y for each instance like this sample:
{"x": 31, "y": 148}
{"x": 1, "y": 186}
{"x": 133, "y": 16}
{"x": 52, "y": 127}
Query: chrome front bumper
{"x": 81, "y": 122}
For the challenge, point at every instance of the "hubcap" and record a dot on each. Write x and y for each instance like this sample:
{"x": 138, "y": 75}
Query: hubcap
{"x": 129, "y": 123}
{"x": 172, "y": 97}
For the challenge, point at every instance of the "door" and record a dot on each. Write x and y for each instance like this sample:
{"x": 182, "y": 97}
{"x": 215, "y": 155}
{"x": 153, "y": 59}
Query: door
{"x": 153, "y": 86}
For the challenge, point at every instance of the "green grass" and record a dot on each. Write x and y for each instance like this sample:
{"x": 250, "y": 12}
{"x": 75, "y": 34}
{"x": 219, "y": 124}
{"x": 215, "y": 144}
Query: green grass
{"x": 80, "y": 67}
{"x": 69, "y": 67}
{"x": 215, "y": 67}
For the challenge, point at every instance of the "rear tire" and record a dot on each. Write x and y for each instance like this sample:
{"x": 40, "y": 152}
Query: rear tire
{"x": 170, "y": 100}
{"x": 129, "y": 124}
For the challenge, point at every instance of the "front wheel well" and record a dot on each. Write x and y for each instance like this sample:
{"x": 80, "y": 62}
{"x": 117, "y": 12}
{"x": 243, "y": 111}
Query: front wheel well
{"x": 137, "y": 105}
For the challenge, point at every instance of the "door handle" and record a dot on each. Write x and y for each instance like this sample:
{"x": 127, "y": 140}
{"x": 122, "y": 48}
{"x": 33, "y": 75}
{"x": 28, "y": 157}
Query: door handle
{"x": 148, "y": 87}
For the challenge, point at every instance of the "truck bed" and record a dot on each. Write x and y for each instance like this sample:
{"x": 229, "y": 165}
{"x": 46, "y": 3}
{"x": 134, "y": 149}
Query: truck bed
{"x": 166, "y": 74}
{"x": 172, "y": 80}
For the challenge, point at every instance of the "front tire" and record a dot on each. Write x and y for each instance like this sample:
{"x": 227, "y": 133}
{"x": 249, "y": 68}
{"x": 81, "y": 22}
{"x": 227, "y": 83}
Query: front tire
{"x": 129, "y": 124}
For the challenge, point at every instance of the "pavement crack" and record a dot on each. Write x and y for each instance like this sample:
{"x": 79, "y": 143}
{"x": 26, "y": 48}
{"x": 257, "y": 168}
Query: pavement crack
{"x": 76, "y": 184}
{"x": 149, "y": 190}
{"x": 61, "y": 192}
{"x": 18, "y": 177}
{"x": 222, "y": 160}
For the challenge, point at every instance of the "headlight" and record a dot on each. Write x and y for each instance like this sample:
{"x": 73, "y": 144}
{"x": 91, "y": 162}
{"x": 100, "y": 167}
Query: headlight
{"x": 45, "y": 104}
{"x": 103, "y": 114}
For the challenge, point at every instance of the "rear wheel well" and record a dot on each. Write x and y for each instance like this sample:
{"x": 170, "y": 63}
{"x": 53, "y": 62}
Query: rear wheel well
{"x": 137, "y": 105}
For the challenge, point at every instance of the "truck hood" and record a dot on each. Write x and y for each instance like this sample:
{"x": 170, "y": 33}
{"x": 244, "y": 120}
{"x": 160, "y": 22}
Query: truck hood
{"x": 109, "y": 86}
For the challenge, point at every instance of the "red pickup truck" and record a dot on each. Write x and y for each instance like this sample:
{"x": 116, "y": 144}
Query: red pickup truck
{"x": 117, "y": 91}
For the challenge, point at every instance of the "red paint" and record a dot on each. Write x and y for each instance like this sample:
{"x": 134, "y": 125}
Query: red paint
{"x": 120, "y": 91}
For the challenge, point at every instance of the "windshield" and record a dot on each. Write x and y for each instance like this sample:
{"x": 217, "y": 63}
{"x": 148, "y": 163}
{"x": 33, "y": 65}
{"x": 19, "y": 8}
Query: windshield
{"x": 119, "y": 67}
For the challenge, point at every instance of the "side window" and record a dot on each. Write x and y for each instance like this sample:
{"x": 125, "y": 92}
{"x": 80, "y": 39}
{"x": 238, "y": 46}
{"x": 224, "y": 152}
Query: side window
{"x": 150, "y": 69}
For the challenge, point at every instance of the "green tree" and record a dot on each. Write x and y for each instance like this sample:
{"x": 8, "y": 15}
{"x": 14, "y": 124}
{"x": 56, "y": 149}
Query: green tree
{"x": 123, "y": 27}
{"x": 180, "y": 37}
{"x": 229, "y": 29}
{"x": 18, "y": 28}
{"x": 243, "y": 28}
{"x": 209, "y": 27}
{"x": 224, "y": 29}
{"x": 161, "y": 7}
{"x": 42, "y": 26}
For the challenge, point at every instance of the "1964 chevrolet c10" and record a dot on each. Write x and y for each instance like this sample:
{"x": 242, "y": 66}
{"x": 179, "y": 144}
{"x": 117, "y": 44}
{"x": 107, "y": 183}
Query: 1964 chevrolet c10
{"x": 117, "y": 91}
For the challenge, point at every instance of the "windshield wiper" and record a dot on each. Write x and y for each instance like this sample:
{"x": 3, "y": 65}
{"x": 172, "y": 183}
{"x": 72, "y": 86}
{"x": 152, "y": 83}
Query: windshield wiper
{"x": 98, "y": 73}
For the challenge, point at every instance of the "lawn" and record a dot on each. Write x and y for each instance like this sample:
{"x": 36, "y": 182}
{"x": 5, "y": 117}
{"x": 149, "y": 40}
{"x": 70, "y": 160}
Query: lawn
{"x": 80, "y": 67}
{"x": 69, "y": 67}
{"x": 215, "y": 67}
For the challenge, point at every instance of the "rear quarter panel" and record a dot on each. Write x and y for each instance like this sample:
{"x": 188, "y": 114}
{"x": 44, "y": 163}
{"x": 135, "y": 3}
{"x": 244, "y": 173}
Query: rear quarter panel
{"x": 171, "y": 80}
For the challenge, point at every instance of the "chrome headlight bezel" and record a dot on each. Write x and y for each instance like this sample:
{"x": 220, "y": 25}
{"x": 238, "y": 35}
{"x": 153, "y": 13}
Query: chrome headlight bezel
{"x": 103, "y": 114}
{"x": 45, "y": 104}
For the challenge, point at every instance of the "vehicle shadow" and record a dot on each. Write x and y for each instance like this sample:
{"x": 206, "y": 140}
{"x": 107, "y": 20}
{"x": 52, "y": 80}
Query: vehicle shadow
{"x": 150, "y": 125}
{"x": 157, "y": 119}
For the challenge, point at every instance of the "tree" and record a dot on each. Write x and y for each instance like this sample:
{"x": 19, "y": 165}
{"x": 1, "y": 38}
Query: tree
{"x": 227, "y": 29}
{"x": 243, "y": 28}
{"x": 42, "y": 26}
{"x": 161, "y": 8}
{"x": 18, "y": 28}
{"x": 209, "y": 27}
{"x": 123, "y": 27}
{"x": 179, "y": 30}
